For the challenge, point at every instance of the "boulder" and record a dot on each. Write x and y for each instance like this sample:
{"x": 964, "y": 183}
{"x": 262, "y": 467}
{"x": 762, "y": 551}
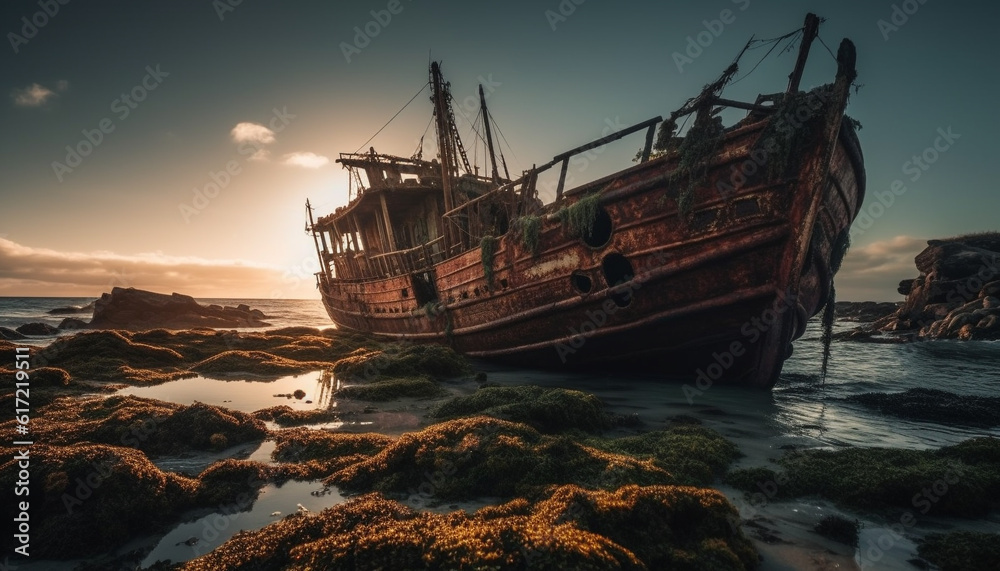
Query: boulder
{"x": 905, "y": 286}
{"x": 71, "y": 309}
{"x": 37, "y": 329}
{"x": 956, "y": 295}
{"x": 135, "y": 309}
{"x": 72, "y": 323}
{"x": 8, "y": 334}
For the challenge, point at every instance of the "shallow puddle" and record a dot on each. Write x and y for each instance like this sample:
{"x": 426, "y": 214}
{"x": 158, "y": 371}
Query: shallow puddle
{"x": 242, "y": 395}
{"x": 195, "y": 538}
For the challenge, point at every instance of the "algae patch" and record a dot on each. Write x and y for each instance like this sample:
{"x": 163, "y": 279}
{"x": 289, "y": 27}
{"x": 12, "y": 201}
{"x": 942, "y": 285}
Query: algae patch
{"x": 657, "y": 527}
{"x": 487, "y": 457}
{"x": 884, "y": 478}
{"x": 962, "y": 550}
{"x": 545, "y": 409}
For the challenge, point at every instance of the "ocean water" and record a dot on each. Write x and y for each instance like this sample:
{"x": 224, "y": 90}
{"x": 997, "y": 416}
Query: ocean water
{"x": 803, "y": 410}
{"x": 16, "y": 311}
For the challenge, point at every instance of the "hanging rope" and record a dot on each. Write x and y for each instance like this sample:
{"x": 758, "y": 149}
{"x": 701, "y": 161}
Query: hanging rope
{"x": 775, "y": 42}
{"x": 828, "y": 50}
{"x": 393, "y": 117}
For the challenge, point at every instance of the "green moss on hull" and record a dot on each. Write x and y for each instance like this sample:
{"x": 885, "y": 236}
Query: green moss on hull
{"x": 528, "y": 231}
{"x": 488, "y": 250}
{"x": 578, "y": 218}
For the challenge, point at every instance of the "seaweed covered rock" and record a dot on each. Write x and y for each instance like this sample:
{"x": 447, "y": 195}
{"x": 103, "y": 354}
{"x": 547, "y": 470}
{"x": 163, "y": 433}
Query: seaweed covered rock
{"x": 961, "y": 480}
{"x": 232, "y": 482}
{"x": 155, "y": 427}
{"x": 86, "y": 499}
{"x": 692, "y": 454}
{"x": 256, "y": 363}
{"x": 935, "y": 406}
{"x": 402, "y": 360}
{"x": 839, "y": 529}
{"x": 285, "y": 416}
{"x": 658, "y": 527}
{"x": 961, "y": 550}
{"x": 392, "y": 389}
{"x": 106, "y": 356}
{"x": 548, "y": 410}
{"x": 484, "y": 456}
{"x": 310, "y": 454}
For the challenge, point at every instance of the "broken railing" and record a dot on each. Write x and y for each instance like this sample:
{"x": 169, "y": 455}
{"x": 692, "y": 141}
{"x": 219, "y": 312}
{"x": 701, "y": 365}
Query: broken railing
{"x": 518, "y": 194}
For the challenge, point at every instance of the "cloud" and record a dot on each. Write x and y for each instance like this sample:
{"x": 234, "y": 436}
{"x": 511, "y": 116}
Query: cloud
{"x": 35, "y": 95}
{"x": 305, "y": 159}
{"x": 54, "y": 273}
{"x": 873, "y": 271}
{"x": 247, "y": 132}
{"x": 62, "y": 85}
{"x": 260, "y": 155}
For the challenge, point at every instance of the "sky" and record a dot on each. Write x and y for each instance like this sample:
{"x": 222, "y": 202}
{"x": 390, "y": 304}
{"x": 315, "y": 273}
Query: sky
{"x": 171, "y": 144}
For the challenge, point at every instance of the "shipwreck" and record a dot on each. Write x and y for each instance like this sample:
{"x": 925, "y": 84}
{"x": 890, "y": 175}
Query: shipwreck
{"x": 706, "y": 257}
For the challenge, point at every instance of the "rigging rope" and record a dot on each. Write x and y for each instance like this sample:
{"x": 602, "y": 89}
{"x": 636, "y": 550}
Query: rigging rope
{"x": 510, "y": 148}
{"x": 393, "y": 117}
{"x": 762, "y": 43}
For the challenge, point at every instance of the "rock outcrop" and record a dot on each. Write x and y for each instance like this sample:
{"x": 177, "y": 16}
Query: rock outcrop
{"x": 956, "y": 295}
{"x": 73, "y": 309}
{"x": 37, "y": 329}
{"x": 135, "y": 309}
{"x": 8, "y": 334}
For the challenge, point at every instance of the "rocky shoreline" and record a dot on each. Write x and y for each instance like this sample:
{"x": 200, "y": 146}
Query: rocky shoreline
{"x": 956, "y": 295}
{"x": 564, "y": 482}
{"x": 133, "y": 309}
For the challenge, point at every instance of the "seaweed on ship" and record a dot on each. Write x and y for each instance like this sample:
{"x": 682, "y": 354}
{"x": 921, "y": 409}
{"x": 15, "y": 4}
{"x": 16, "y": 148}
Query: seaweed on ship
{"x": 579, "y": 217}
{"x": 527, "y": 229}
{"x": 840, "y": 248}
{"x": 488, "y": 248}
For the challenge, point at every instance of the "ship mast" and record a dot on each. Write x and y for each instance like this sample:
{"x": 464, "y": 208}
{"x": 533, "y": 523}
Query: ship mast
{"x": 809, "y": 33}
{"x": 489, "y": 135}
{"x": 449, "y": 144}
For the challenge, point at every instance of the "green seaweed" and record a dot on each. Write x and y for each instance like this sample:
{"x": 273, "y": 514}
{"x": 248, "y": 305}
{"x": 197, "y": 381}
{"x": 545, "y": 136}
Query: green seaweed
{"x": 656, "y": 527}
{"x": 578, "y": 218}
{"x": 392, "y": 389}
{"x": 528, "y": 229}
{"x": 961, "y": 550}
{"x": 488, "y": 249}
{"x": 549, "y": 410}
{"x": 692, "y": 454}
{"x": 155, "y": 427}
{"x": 961, "y": 480}
{"x": 839, "y": 529}
{"x": 483, "y": 456}
{"x": 402, "y": 360}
